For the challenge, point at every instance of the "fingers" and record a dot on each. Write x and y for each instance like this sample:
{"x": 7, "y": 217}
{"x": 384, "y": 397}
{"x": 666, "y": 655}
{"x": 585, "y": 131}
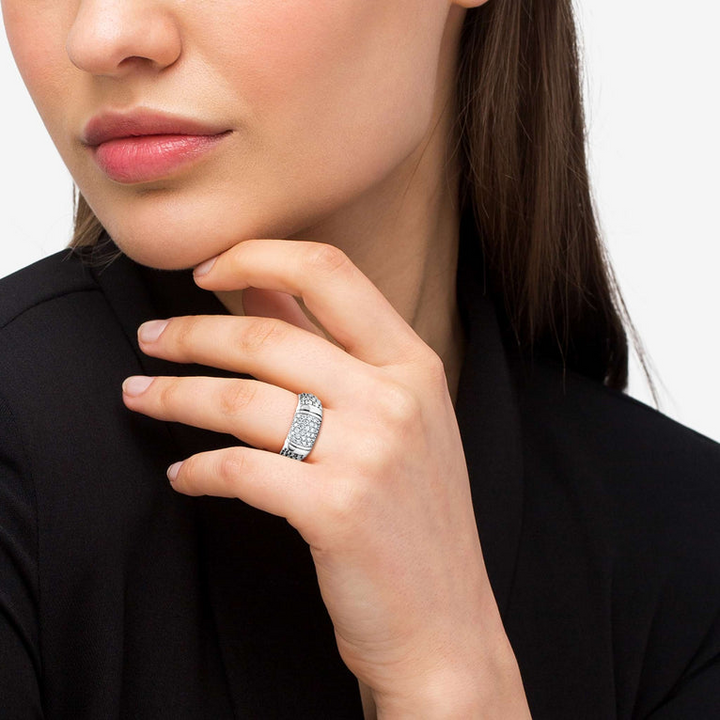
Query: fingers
{"x": 270, "y": 303}
{"x": 255, "y": 412}
{"x": 269, "y": 349}
{"x": 342, "y": 299}
{"x": 273, "y": 483}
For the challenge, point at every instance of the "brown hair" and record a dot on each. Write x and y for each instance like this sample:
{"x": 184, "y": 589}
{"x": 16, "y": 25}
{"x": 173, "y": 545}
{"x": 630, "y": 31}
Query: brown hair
{"x": 524, "y": 171}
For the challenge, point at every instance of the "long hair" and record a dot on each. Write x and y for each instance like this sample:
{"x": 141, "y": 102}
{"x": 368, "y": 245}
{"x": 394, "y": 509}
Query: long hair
{"x": 522, "y": 140}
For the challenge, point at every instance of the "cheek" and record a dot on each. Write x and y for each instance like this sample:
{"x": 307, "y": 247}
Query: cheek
{"x": 332, "y": 81}
{"x": 328, "y": 97}
{"x": 36, "y": 36}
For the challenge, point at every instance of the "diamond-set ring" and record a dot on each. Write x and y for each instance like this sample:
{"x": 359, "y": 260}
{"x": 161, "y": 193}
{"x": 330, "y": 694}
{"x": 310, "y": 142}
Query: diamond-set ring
{"x": 304, "y": 428}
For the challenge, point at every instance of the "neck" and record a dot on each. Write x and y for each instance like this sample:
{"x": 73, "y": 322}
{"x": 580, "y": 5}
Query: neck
{"x": 403, "y": 234}
{"x": 410, "y": 253}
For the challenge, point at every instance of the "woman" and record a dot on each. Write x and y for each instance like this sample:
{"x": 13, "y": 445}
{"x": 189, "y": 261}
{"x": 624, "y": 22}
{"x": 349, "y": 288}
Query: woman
{"x": 346, "y": 252}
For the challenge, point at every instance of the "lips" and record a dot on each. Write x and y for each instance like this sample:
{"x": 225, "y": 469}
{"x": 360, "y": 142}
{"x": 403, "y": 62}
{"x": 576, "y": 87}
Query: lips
{"x": 147, "y": 145}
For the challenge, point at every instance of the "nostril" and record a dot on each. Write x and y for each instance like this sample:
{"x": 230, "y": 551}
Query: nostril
{"x": 135, "y": 60}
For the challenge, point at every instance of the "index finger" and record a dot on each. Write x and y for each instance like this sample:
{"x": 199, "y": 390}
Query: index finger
{"x": 338, "y": 294}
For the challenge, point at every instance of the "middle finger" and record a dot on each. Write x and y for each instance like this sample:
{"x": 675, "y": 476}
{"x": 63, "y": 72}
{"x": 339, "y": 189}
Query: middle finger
{"x": 269, "y": 349}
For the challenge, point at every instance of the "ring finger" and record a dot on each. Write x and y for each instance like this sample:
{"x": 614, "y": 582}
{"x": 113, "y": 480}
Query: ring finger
{"x": 255, "y": 412}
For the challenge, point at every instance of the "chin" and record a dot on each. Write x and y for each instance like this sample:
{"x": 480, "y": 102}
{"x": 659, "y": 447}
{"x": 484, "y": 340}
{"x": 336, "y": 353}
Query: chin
{"x": 179, "y": 231}
{"x": 166, "y": 248}
{"x": 166, "y": 240}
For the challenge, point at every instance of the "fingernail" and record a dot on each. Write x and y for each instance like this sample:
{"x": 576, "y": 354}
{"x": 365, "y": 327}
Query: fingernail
{"x": 150, "y": 331}
{"x": 136, "y": 385}
{"x": 204, "y": 267}
{"x": 173, "y": 470}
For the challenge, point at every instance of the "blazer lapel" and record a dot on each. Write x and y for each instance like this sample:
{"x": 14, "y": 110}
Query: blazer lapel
{"x": 259, "y": 584}
{"x": 488, "y": 417}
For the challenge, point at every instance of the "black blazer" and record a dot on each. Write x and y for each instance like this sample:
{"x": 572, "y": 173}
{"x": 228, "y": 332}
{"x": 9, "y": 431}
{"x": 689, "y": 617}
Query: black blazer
{"x": 120, "y": 598}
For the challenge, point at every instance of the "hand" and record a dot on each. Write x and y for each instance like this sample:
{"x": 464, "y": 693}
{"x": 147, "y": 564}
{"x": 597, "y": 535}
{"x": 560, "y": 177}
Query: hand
{"x": 383, "y": 499}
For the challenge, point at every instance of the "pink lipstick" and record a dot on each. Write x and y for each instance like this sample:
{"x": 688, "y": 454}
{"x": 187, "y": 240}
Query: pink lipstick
{"x": 146, "y": 145}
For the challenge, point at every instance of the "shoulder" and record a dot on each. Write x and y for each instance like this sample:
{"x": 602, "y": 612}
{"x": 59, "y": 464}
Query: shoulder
{"x": 644, "y": 491}
{"x": 607, "y": 429}
{"x": 58, "y": 275}
{"x": 654, "y": 482}
{"x": 51, "y": 309}
{"x": 60, "y": 343}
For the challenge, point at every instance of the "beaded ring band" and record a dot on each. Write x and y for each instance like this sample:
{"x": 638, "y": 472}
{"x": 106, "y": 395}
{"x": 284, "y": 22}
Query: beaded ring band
{"x": 304, "y": 428}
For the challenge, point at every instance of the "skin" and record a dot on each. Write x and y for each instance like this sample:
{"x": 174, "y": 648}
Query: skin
{"x": 342, "y": 141}
{"x": 368, "y": 75}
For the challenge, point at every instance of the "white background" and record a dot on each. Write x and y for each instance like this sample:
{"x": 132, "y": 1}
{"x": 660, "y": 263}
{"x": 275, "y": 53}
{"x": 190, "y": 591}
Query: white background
{"x": 651, "y": 82}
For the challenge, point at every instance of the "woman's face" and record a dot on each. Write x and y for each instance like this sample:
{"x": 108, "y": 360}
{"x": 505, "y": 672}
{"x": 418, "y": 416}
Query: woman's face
{"x": 320, "y": 102}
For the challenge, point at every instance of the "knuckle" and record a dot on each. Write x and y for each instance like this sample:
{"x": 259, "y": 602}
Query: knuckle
{"x": 183, "y": 332}
{"x": 398, "y": 406}
{"x": 237, "y": 397}
{"x": 188, "y": 469}
{"x": 434, "y": 370}
{"x": 377, "y": 456}
{"x": 326, "y": 259}
{"x": 435, "y": 363}
{"x": 231, "y": 463}
{"x": 344, "y": 502}
{"x": 167, "y": 392}
{"x": 260, "y": 331}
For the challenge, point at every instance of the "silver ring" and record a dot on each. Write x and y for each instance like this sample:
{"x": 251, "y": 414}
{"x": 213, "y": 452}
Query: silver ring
{"x": 304, "y": 428}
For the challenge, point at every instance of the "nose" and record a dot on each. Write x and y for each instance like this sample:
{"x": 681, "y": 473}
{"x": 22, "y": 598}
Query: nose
{"x": 114, "y": 37}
